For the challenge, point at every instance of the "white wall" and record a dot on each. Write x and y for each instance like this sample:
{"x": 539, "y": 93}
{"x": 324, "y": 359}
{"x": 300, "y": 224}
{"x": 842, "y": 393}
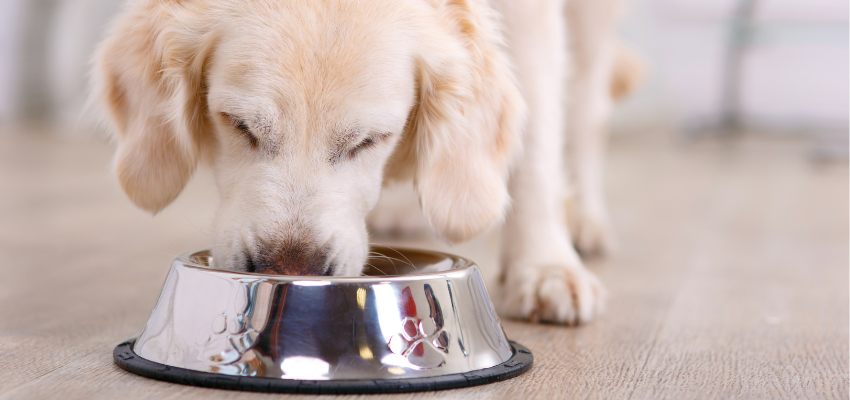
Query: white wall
{"x": 796, "y": 72}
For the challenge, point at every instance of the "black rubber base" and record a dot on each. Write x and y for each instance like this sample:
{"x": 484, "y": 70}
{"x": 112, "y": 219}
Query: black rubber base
{"x": 127, "y": 359}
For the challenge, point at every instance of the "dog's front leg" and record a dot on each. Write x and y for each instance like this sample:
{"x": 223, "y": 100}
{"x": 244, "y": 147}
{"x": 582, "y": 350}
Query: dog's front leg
{"x": 592, "y": 47}
{"x": 543, "y": 277}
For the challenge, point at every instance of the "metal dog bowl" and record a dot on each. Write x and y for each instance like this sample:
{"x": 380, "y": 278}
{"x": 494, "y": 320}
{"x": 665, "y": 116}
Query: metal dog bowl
{"x": 417, "y": 320}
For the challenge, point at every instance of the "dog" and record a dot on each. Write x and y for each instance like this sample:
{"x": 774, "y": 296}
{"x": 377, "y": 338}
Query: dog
{"x": 305, "y": 109}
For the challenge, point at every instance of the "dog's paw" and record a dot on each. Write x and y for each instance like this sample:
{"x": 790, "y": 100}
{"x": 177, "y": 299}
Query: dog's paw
{"x": 562, "y": 293}
{"x": 591, "y": 231}
{"x": 397, "y": 214}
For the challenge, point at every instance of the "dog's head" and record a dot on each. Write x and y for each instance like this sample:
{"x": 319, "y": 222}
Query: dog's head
{"x": 301, "y": 108}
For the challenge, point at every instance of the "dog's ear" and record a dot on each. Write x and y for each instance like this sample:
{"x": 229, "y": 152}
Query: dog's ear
{"x": 148, "y": 75}
{"x": 465, "y": 128}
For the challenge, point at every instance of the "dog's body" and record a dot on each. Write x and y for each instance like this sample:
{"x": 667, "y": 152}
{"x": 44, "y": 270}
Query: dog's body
{"x": 304, "y": 109}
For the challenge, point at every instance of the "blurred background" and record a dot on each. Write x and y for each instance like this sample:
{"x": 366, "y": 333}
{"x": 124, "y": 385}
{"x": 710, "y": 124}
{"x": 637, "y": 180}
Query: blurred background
{"x": 780, "y": 66}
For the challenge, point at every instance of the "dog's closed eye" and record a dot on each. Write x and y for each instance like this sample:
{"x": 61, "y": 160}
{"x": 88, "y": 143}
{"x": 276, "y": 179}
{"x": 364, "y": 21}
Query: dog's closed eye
{"x": 363, "y": 145}
{"x": 243, "y": 128}
{"x": 349, "y": 148}
{"x": 368, "y": 142}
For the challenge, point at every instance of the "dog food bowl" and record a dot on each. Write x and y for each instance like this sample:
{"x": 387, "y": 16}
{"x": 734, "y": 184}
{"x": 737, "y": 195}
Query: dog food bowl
{"x": 418, "y": 320}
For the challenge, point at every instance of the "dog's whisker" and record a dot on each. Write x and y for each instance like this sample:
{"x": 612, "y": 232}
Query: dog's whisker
{"x": 168, "y": 254}
{"x": 201, "y": 229}
{"x": 393, "y": 259}
{"x": 379, "y": 270}
{"x": 405, "y": 257}
{"x": 390, "y": 259}
{"x": 391, "y": 263}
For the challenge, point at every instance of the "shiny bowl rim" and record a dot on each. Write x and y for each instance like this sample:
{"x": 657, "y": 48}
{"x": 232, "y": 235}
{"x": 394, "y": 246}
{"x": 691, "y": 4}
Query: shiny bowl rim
{"x": 460, "y": 265}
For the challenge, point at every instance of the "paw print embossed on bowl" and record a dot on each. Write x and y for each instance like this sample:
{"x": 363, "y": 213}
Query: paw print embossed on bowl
{"x": 226, "y": 344}
{"x": 423, "y": 341}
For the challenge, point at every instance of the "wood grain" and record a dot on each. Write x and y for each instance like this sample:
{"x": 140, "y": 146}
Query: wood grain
{"x": 731, "y": 279}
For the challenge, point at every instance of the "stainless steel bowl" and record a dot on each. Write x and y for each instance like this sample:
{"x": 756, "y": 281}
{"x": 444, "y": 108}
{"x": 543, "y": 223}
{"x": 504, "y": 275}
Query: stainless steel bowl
{"x": 416, "y": 317}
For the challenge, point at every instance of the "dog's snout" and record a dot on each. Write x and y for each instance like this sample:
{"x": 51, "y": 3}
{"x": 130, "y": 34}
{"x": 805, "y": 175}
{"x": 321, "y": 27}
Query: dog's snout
{"x": 291, "y": 260}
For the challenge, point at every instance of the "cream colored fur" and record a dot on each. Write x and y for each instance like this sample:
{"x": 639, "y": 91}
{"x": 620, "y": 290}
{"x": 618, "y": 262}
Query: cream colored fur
{"x": 281, "y": 98}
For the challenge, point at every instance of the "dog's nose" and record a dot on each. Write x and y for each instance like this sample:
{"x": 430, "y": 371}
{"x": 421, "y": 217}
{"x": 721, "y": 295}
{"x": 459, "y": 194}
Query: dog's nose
{"x": 295, "y": 260}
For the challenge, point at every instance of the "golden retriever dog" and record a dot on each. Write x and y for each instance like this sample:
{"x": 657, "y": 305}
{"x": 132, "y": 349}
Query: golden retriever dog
{"x": 305, "y": 108}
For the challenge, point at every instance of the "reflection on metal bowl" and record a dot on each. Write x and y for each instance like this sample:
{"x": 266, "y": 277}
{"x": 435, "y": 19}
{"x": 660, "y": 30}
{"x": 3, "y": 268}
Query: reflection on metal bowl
{"x": 417, "y": 320}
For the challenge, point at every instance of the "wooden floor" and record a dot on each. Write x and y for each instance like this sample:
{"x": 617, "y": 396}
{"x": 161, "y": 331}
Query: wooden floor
{"x": 731, "y": 278}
